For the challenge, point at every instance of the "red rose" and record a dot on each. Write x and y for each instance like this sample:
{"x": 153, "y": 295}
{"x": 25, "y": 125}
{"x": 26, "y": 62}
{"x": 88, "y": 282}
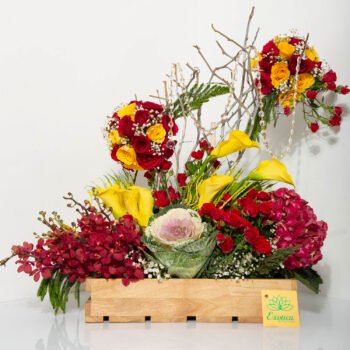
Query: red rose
{"x": 286, "y": 110}
{"x": 166, "y": 165}
{"x": 227, "y": 197}
{"x": 331, "y": 85}
{"x": 220, "y": 237}
{"x": 252, "y": 193}
{"x": 141, "y": 117}
{"x": 233, "y": 220}
{"x": 148, "y": 175}
{"x": 168, "y": 148}
{"x": 335, "y": 121}
{"x": 262, "y": 246}
{"x": 295, "y": 41}
{"x": 114, "y": 153}
{"x": 330, "y": 76}
{"x": 125, "y": 127}
{"x": 265, "y": 207}
{"x": 314, "y": 127}
{"x": 249, "y": 206}
{"x": 251, "y": 235}
{"x": 311, "y": 94}
{"x": 166, "y": 122}
{"x": 197, "y": 154}
{"x": 207, "y": 209}
{"x": 344, "y": 90}
{"x": 266, "y": 64}
{"x": 306, "y": 66}
{"x": 181, "y": 179}
{"x": 270, "y": 49}
{"x": 227, "y": 245}
{"x": 142, "y": 144}
{"x": 174, "y": 195}
{"x": 266, "y": 84}
{"x": 161, "y": 199}
{"x": 115, "y": 115}
{"x": 204, "y": 144}
{"x": 149, "y": 161}
{"x": 151, "y": 105}
{"x": 262, "y": 195}
{"x": 338, "y": 110}
{"x": 216, "y": 163}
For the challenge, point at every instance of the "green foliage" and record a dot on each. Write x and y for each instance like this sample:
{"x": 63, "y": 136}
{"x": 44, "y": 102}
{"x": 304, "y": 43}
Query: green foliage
{"x": 58, "y": 288}
{"x": 184, "y": 261}
{"x": 309, "y": 277}
{"x": 196, "y": 97}
{"x": 253, "y": 128}
{"x": 271, "y": 263}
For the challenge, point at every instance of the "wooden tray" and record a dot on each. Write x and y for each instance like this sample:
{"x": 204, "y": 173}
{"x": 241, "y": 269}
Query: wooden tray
{"x": 179, "y": 300}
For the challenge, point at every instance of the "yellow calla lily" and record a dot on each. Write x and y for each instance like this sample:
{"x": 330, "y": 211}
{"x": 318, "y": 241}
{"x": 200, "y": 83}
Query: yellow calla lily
{"x": 212, "y": 186}
{"x": 271, "y": 169}
{"x": 237, "y": 141}
{"x": 136, "y": 201}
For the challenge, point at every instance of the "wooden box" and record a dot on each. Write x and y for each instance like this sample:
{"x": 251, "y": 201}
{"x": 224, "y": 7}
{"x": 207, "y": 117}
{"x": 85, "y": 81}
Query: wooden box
{"x": 179, "y": 300}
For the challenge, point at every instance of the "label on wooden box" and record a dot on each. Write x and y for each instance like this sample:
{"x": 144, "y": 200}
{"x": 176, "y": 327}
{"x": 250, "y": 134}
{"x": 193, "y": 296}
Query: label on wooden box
{"x": 280, "y": 308}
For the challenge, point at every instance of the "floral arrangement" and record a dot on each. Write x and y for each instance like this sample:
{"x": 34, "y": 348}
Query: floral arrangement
{"x": 291, "y": 72}
{"x": 139, "y": 136}
{"x": 209, "y": 218}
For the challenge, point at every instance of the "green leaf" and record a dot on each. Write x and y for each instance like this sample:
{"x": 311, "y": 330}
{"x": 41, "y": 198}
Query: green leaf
{"x": 185, "y": 260}
{"x": 309, "y": 277}
{"x": 273, "y": 262}
{"x": 77, "y": 292}
{"x": 196, "y": 97}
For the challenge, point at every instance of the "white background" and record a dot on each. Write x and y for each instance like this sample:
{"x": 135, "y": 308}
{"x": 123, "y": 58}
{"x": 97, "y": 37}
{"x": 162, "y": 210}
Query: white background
{"x": 65, "y": 65}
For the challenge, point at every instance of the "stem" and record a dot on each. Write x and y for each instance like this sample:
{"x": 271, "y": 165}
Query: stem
{"x": 4, "y": 261}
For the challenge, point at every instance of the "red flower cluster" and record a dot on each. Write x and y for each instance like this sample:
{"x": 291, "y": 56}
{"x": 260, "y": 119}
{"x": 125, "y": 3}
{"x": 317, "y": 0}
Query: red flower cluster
{"x": 296, "y": 225}
{"x": 98, "y": 247}
{"x": 204, "y": 148}
{"x": 164, "y": 198}
{"x": 288, "y": 51}
{"x": 140, "y": 136}
{"x": 234, "y": 221}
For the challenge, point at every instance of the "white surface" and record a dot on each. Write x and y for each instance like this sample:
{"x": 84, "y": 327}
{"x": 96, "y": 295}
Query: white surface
{"x": 31, "y": 325}
{"x": 64, "y": 65}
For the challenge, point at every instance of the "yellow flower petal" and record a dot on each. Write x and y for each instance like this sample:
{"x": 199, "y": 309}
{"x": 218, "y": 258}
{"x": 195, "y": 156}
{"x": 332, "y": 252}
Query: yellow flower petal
{"x": 237, "y": 141}
{"x": 311, "y": 54}
{"x": 127, "y": 155}
{"x": 210, "y": 187}
{"x": 279, "y": 74}
{"x": 129, "y": 110}
{"x": 136, "y": 201}
{"x": 114, "y": 137}
{"x": 156, "y": 133}
{"x": 286, "y": 50}
{"x": 271, "y": 169}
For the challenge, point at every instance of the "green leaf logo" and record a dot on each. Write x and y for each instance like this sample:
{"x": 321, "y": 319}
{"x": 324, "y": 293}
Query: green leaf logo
{"x": 279, "y": 303}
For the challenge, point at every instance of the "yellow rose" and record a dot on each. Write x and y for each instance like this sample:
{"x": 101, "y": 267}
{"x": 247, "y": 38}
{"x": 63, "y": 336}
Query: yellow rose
{"x": 127, "y": 155}
{"x": 211, "y": 186}
{"x": 311, "y": 54}
{"x": 127, "y": 110}
{"x": 306, "y": 80}
{"x": 279, "y": 74}
{"x": 286, "y": 49}
{"x": 134, "y": 200}
{"x": 254, "y": 61}
{"x": 156, "y": 133}
{"x": 287, "y": 98}
{"x": 114, "y": 137}
{"x": 237, "y": 141}
{"x": 271, "y": 169}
